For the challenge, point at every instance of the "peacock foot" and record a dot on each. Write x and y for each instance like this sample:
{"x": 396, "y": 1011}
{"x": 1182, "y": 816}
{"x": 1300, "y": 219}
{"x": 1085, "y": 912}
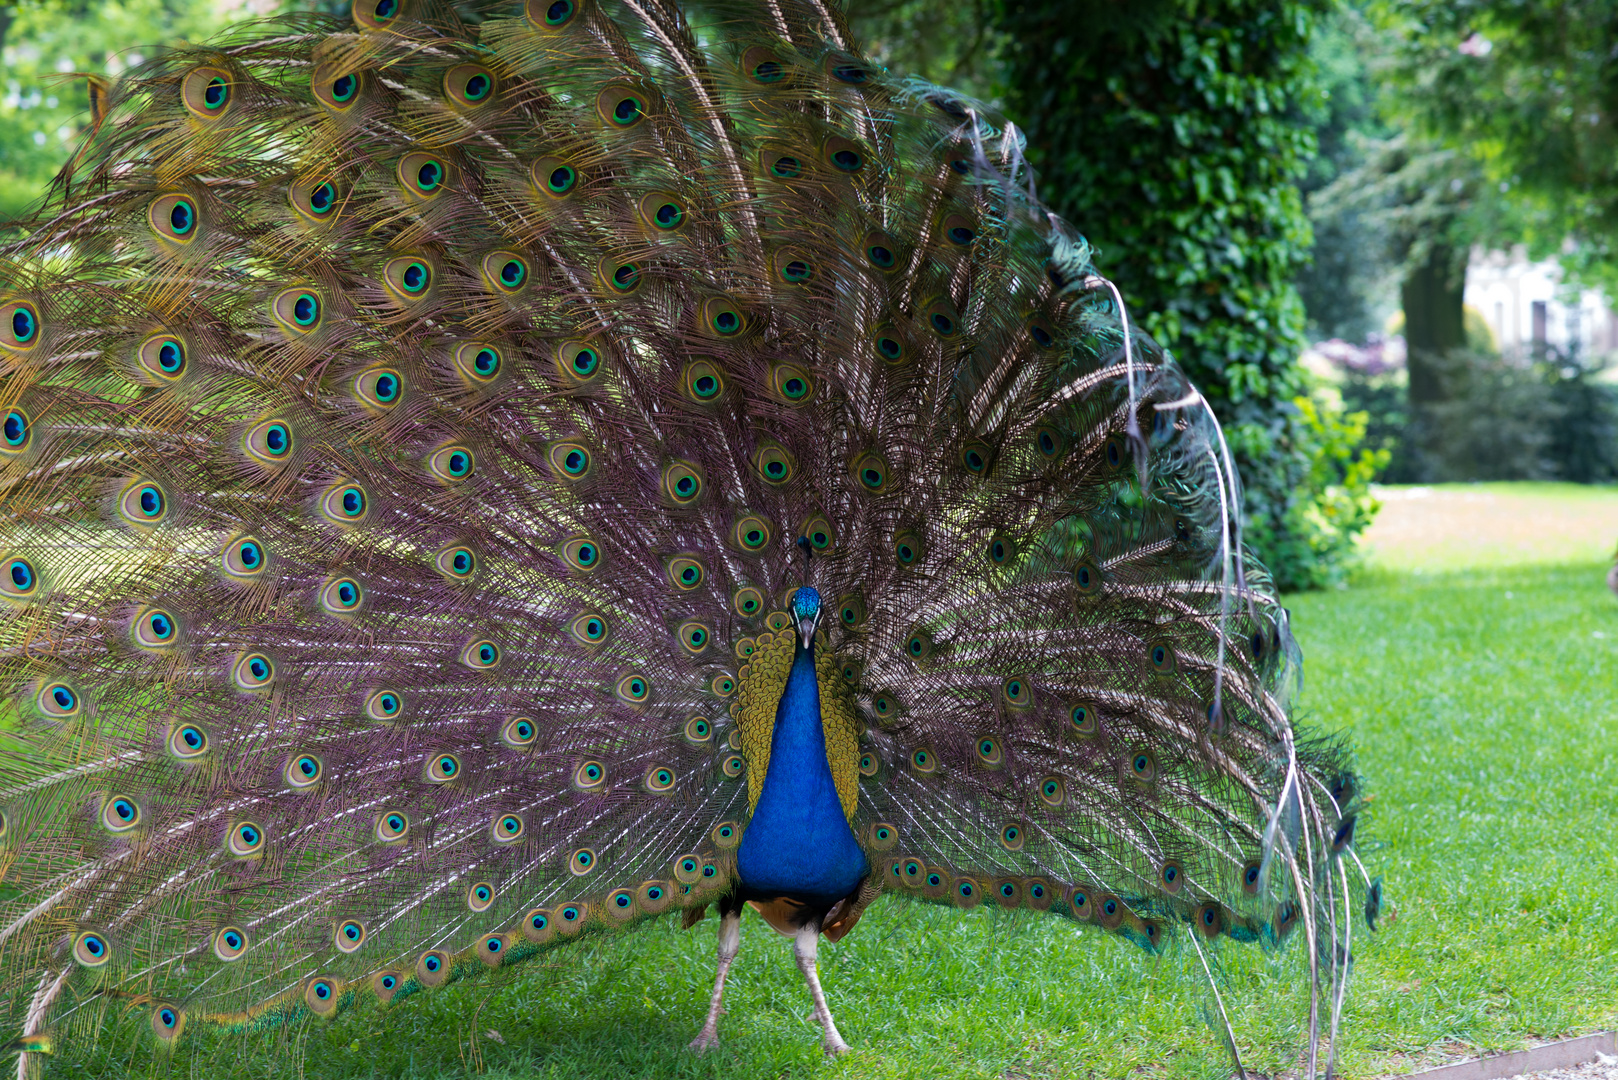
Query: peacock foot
{"x": 707, "y": 1039}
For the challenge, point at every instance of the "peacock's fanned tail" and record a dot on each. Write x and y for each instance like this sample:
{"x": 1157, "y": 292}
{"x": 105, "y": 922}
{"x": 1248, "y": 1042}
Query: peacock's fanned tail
{"x": 408, "y": 426}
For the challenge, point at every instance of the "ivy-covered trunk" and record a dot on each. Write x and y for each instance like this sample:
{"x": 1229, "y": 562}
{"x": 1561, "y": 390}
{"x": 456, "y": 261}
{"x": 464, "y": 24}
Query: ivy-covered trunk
{"x": 1172, "y": 137}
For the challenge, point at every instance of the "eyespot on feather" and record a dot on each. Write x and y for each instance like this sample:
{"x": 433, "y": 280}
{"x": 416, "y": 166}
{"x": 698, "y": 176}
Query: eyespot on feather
{"x": 698, "y": 731}
{"x": 442, "y": 768}
{"x": 726, "y": 835}
{"x": 384, "y": 706}
{"x": 976, "y": 457}
{"x": 451, "y": 464}
{"x": 723, "y": 684}
{"x": 229, "y": 943}
{"x": 1052, "y": 791}
{"x": 298, "y": 311}
{"x": 168, "y": 1022}
{"x": 659, "y": 779}
{"x": 747, "y": 602}
{"x": 851, "y": 610}
{"x": 342, "y": 596}
{"x": 348, "y": 935}
{"x": 571, "y": 460}
{"x": 408, "y": 279}
{"x": 245, "y": 840}
{"x": 508, "y": 828}
{"x": 186, "y": 741}
{"x": 870, "y": 764}
{"x": 385, "y": 985}
{"x": 791, "y": 385}
{"x": 940, "y": 316}
{"x": 662, "y": 213}
{"x": 762, "y": 66}
{"x": 479, "y": 897}
{"x": 303, "y": 771}
{"x": 478, "y": 363}
{"x": 991, "y": 754}
{"x": 538, "y": 926}
{"x": 552, "y": 16}
{"x": 581, "y": 553}
{"x": 733, "y": 766}
{"x": 482, "y": 655}
{"x": 908, "y": 547}
{"x": 882, "y": 836}
{"x": 316, "y": 201}
{"x": 175, "y": 219}
{"x": 844, "y": 156}
{"x": 338, "y": 90}
{"x": 493, "y": 949}
{"x": 392, "y": 826}
{"x": 1162, "y": 657}
{"x": 432, "y": 968}
{"x": 554, "y": 178}
{"x": 682, "y": 482}
{"x": 253, "y": 672}
{"x": 580, "y": 362}
{"x": 423, "y": 177}
{"x": 870, "y": 473}
{"x": 590, "y": 628}
{"x": 519, "y": 732}
{"x": 91, "y": 949}
{"x": 581, "y": 862}
{"x": 207, "y": 93}
{"x": 1083, "y": 718}
{"x": 619, "y": 276}
{"x": 626, "y": 103}
{"x": 506, "y": 273}
{"x": 345, "y": 504}
{"x": 881, "y": 251}
{"x": 590, "y": 775}
{"x": 270, "y": 443}
{"x": 457, "y": 563}
{"x": 751, "y": 533}
{"x": 782, "y": 165}
{"x": 694, "y": 636}
{"x": 890, "y": 345}
{"x": 21, "y": 327}
{"x": 571, "y": 918}
{"x": 721, "y": 317}
{"x": 924, "y": 761}
{"x": 16, "y": 432}
{"x": 20, "y": 580}
{"x": 470, "y": 86}
{"x": 773, "y": 464}
{"x": 1013, "y": 836}
{"x": 817, "y": 530}
{"x": 154, "y": 628}
{"x": 1142, "y": 766}
{"x": 1088, "y": 580}
{"x": 160, "y": 359}
{"x": 1017, "y": 693}
{"x": 791, "y": 267}
{"x": 58, "y": 700}
{"x": 1049, "y": 442}
{"x": 633, "y": 689}
{"x": 685, "y": 572}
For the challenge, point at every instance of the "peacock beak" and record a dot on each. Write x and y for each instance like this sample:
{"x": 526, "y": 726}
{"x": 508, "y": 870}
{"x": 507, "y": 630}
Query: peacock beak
{"x": 806, "y": 629}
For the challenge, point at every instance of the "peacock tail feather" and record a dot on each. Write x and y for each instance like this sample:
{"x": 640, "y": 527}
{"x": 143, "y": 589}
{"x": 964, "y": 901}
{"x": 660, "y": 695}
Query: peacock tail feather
{"x": 409, "y": 426}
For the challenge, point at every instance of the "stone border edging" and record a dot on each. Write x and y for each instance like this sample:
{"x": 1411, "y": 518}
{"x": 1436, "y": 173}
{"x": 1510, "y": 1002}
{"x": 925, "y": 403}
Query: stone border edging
{"x": 1555, "y": 1055}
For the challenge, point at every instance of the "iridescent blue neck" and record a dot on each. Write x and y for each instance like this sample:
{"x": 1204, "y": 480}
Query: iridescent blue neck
{"x": 798, "y": 842}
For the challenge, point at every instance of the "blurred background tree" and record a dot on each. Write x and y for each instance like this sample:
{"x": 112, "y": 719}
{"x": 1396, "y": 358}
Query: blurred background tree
{"x": 1255, "y": 175}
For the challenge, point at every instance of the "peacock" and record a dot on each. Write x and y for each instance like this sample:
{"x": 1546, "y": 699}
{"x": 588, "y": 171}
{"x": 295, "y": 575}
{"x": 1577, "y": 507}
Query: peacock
{"x": 477, "y": 476}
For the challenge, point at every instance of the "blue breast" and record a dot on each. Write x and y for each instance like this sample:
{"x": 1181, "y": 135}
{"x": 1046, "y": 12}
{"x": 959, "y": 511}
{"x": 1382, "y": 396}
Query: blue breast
{"x": 798, "y": 842}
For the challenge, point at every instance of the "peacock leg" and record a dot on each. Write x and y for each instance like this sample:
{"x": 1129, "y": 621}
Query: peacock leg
{"x": 730, "y": 942}
{"x": 804, "y": 946}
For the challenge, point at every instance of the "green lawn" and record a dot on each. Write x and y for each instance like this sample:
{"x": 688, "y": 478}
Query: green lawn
{"x": 1473, "y": 664}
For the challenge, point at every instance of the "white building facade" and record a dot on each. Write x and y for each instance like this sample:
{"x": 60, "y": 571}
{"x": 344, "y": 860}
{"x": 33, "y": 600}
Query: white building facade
{"x": 1525, "y": 305}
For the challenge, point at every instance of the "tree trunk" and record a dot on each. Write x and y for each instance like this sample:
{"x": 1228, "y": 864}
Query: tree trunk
{"x": 1434, "y": 324}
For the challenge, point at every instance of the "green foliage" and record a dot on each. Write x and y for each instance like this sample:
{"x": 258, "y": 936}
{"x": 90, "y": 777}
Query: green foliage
{"x": 50, "y": 47}
{"x": 1524, "y": 89}
{"x": 1174, "y": 141}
